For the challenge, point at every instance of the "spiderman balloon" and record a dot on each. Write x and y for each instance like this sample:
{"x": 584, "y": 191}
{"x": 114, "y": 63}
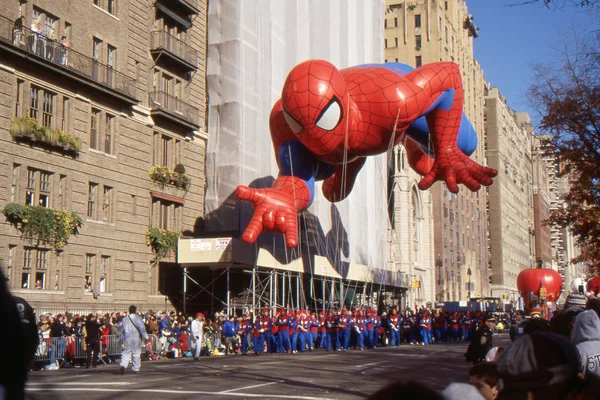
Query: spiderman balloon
{"x": 328, "y": 121}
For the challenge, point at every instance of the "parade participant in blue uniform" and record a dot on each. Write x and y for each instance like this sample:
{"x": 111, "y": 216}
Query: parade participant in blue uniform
{"x": 283, "y": 331}
{"x": 293, "y": 330}
{"x": 262, "y": 326}
{"x": 425, "y": 325}
{"x": 440, "y": 328}
{"x": 303, "y": 330}
{"x": 468, "y": 326}
{"x": 244, "y": 330}
{"x": 376, "y": 328}
{"x": 323, "y": 331}
{"x": 394, "y": 323}
{"x": 313, "y": 329}
{"x": 274, "y": 334}
{"x": 414, "y": 328}
{"x": 344, "y": 326}
{"x": 332, "y": 331}
{"x": 406, "y": 327}
{"x": 360, "y": 328}
{"x": 454, "y": 327}
{"x": 370, "y": 321}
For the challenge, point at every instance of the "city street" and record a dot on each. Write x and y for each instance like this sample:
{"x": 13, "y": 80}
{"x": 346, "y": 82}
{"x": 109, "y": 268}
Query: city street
{"x": 316, "y": 375}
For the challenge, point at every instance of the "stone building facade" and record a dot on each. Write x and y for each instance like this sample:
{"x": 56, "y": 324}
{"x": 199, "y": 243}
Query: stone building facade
{"x": 417, "y": 33}
{"x": 541, "y": 202}
{"x": 510, "y": 198}
{"x": 130, "y": 85}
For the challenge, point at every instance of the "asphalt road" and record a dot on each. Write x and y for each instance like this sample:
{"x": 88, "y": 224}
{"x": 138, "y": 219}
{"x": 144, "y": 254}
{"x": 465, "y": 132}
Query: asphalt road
{"x": 316, "y": 375}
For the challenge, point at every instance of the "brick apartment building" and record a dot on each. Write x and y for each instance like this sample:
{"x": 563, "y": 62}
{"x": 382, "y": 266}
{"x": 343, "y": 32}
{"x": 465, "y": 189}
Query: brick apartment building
{"x": 115, "y": 87}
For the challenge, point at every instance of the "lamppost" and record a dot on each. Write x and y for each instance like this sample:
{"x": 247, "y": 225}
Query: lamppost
{"x": 469, "y": 275}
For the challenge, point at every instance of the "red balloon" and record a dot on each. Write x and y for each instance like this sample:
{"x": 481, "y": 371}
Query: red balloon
{"x": 533, "y": 279}
{"x": 593, "y": 285}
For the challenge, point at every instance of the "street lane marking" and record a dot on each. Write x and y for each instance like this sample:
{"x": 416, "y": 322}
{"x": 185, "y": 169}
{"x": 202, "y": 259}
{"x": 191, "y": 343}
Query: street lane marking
{"x": 250, "y": 387}
{"x": 75, "y": 383}
{"x": 262, "y": 396}
{"x": 366, "y": 365}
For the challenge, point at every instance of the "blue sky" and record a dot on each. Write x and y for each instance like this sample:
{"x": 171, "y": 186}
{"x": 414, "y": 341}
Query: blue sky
{"x": 511, "y": 39}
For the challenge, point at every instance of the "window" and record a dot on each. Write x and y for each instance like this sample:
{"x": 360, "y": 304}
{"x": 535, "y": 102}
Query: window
{"x": 166, "y": 214}
{"x": 418, "y": 61}
{"x": 11, "y": 262}
{"x": 50, "y": 24}
{"x": 97, "y": 49}
{"x": 38, "y": 194}
{"x": 94, "y": 134}
{"x": 446, "y": 34}
{"x": 89, "y": 271}
{"x": 67, "y": 32}
{"x": 104, "y": 270}
{"x": 27, "y": 263}
{"x": 167, "y": 84}
{"x": 64, "y": 120}
{"x": 19, "y": 97}
{"x": 178, "y": 152}
{"x": 396, "y": 42}
{"x": 34, "y": 103}
{"x": 92, "y": 193}
{"x": 418, "y": 21}
{"x": 133, "y": 205}
{"x": 156, "y": 80}
{"x": 385, "y": 43}
{"x": 48, "y": 109}
{"x": 108, "y": 133}
{"x": 396, "y": 21}
{"x": 44, "y": 193}
{"x": 446, "y": 5}
{"x": 107, "y": 204}
{"x": 385, "y": 23}
{"x": 14, "y": 189}
{"x": 418, "y": 42}
{"x": 111, "y": 61}
{"x": 112, "y": 7}
{"x": 177, "y": 95}
{"x": 97, "y": 3}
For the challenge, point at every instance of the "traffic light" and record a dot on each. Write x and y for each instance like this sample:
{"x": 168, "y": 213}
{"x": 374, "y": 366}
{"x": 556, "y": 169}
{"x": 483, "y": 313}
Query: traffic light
{"x": 417, "y": 283}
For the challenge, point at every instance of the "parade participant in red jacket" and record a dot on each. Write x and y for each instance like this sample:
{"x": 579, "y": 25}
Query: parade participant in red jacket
{"x": 331, "y": 327}
{"x": 323, "y": 330}
{"x": 394, "y": 323}
{"x": 313, "y": 330}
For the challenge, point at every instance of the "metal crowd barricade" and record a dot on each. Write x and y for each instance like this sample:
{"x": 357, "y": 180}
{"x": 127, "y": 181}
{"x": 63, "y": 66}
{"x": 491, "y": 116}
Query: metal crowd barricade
{"x": 51, "y": 349}
{"x": 153, "y": 344}
{"x": 111, "y": 345}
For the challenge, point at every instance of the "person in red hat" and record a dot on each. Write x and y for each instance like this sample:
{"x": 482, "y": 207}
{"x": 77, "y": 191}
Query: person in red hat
{"x": 283, "y": 331}
{"x": 293, "y": 330}
{"x": 303, "y": 330}
{"x": 394, "y": 322}
{"x": 197, "y": 332}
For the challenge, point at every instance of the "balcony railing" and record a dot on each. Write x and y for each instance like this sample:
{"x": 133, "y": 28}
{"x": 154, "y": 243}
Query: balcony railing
{"x": 163, "y": 41}
{"x": 174, "y": 107}
{"x": 50, "y": 51}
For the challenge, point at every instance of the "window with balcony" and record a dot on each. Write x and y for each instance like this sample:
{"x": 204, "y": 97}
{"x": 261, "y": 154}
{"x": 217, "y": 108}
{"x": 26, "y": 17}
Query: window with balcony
{"x": 167, "y": 151}
{"x": 166, "y": 214}
{"x": 38, "y": 188}
{"x": 35, "y": 268}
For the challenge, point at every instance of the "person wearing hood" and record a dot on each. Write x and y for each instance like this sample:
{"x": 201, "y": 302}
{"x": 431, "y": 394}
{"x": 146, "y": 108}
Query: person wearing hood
{"x": 586, "y": 337}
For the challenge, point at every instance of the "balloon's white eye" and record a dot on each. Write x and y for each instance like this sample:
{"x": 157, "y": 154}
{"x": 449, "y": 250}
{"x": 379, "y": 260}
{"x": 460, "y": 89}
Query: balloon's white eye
{"x": 330, "y": 117}
{"x": 292, "y": 123}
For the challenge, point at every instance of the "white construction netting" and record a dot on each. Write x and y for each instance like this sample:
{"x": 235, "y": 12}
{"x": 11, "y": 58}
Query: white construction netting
{"x": 253, "y": 44}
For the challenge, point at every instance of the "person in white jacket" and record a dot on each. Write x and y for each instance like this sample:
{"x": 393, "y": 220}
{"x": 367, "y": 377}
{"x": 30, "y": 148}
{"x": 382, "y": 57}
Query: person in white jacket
{"x": 586, "y": 337}
{"x": 197, "y": 333}
{"x": 134, "y": 332}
